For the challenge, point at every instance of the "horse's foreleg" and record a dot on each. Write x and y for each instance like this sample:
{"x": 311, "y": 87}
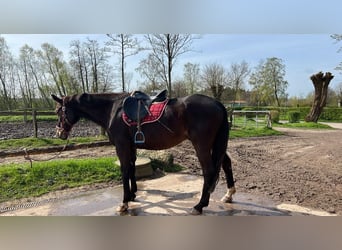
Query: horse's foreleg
{"x": 227, "y": 167}
{"x": 125, "y": 158}
{"x": 134, "y": 187}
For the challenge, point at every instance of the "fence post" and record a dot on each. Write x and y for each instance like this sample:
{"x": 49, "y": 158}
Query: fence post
{"x": 34, "y": 121}
{"x": 256, "y": 118}
{"x": 25, "y": 115}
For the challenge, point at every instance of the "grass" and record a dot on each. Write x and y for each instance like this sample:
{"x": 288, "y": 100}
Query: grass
{"x": 20, "y": 118}
{"x": 302, "y": 125}
{"x": 21, "y": 181}
{"x": 252, "y": 132}
{"x": 11, "y": 144}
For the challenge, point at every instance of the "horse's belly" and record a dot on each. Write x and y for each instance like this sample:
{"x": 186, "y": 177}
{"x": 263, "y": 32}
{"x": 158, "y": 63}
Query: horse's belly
{"x": 159, "y": 142}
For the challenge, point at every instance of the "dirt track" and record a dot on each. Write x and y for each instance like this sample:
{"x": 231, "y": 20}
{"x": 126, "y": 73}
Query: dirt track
{"x": 302, "y": 167}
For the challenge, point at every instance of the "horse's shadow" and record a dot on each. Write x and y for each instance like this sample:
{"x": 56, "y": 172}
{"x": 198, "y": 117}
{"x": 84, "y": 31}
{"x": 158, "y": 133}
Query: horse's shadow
{"x": 171, "y": 203}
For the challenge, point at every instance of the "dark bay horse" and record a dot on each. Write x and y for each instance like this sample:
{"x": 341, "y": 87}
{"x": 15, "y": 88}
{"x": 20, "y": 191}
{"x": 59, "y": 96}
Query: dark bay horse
{"x": 198, "y": 118}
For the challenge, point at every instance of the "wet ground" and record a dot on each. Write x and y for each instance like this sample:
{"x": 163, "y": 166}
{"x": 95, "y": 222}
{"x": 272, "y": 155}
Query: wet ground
{"x": 275, "y": 174}
{"x": 173, "y": 194}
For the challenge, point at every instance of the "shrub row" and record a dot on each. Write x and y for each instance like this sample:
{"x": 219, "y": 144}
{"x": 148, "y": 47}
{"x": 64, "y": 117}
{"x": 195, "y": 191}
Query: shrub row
{"x": 329, "y": 114}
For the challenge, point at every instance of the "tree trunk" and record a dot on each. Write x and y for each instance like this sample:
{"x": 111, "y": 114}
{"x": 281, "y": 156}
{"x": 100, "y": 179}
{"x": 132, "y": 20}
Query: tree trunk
{"x": 321, "y": 83}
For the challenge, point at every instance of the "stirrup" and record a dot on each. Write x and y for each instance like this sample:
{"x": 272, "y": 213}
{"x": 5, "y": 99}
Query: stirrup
{"x": 139, "y": 137}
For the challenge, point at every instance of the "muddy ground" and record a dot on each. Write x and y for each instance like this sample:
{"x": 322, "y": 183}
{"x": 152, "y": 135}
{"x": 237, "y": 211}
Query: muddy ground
{"x": 302, "y": 167}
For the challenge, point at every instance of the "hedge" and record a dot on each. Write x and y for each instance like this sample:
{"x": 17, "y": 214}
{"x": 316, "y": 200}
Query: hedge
{"x": 294, "y": 116}
{"x": 328, "y": 114}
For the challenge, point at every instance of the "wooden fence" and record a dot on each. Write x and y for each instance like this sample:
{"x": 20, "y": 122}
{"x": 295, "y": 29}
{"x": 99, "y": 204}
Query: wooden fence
{"x": 25, "y": 113}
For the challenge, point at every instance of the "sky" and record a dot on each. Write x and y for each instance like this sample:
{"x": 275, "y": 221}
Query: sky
{"x": 302, "y": 54}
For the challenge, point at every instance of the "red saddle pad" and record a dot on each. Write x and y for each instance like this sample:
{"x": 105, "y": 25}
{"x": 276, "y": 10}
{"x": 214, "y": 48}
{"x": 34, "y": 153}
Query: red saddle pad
{"x": 156, "y": 111}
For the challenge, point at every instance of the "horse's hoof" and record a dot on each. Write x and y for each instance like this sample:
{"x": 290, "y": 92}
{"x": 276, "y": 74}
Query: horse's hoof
{"x": 194, "y": 211}
{"x": 122, "y": 208}
{"x": 227, "y": 199}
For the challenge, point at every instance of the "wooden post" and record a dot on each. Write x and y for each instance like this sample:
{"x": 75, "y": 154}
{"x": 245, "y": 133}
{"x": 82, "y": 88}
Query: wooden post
{"x": 34, "y": 121}
{"x": 25, "y": 115}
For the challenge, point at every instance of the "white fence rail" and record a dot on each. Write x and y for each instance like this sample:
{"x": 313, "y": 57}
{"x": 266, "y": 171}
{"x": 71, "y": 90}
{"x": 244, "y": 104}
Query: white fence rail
{"x": 259, "y": 118}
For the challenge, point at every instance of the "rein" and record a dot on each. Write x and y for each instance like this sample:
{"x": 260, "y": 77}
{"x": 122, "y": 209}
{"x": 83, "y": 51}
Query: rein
{"x": 29, "y": 158}
{"x": 59, "y": 129}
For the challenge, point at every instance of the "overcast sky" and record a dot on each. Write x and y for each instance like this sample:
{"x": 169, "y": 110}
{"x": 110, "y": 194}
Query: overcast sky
{"x": 302, "y": 54}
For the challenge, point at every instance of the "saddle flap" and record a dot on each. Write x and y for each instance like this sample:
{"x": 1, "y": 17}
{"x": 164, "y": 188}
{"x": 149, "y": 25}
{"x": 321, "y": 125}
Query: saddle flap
{"x": 131, "y": 108}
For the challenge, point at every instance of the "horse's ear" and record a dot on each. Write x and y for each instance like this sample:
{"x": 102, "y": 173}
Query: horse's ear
{"x": 57, "y": 99}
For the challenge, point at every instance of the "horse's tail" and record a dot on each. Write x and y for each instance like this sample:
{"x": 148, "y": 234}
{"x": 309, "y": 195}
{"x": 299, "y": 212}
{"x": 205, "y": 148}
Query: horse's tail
{"x": 219, "y": 149}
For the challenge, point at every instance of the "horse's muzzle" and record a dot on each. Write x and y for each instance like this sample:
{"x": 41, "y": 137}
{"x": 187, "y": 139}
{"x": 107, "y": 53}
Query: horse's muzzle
{"x": 62, "y": 133}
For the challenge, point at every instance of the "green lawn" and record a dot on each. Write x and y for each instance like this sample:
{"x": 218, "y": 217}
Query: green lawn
{"x": 252, "y": 132}
{"x": 20, "y": 118}
{"x": 21, "y": 180}
{"x": 302, "y": 125}
{"x": 31, "y": 142}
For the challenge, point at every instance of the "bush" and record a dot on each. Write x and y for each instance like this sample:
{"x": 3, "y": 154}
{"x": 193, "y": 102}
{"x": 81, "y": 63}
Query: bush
{"x": 331, "y": 114}
{"x": 275, "y": 116}
{"x": 294, "y": 116}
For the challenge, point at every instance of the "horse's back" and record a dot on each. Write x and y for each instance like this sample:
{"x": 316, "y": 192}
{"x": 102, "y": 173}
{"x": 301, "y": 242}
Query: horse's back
{"x": 203, "y": 115}
{"x": 203, "y": 107}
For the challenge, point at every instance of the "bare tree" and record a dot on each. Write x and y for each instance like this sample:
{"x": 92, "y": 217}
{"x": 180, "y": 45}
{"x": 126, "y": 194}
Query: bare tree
{"x": 6, "y": 64}
{"x": 338, "y": 91}
{"x": 150, "y": 69}
{"x": 236, "y": 77}
{"x": 321, "y": 82}
{"x": 124, "y": 45}
{"x": 97, "y": 57}
{"x": 166, "y": 48}
{"x": 56, "y": 67}
{"x": 338, "y": 38}
{"x": 214, "y": 76}
{"x": 79, "y": 62}
{"x": 191, "y": 77}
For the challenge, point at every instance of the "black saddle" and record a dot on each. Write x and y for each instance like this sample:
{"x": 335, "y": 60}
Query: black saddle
{"x": 136, "y": 106}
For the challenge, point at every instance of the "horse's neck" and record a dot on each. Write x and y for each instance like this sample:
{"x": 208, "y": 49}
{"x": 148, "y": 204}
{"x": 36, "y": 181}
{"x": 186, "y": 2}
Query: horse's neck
{"x": 97, "y": 110}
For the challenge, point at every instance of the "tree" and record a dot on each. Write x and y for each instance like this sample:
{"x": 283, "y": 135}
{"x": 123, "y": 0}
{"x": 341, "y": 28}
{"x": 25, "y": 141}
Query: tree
{"x": 321, "y": 83}
{"x": 191, "y": 77}
{"x": 56, "y": 67}
{"x": 214, "y": 77}
{"x": 79, "y": 63}
{"x": 97, "y": 56}
{"x": 150, "y": 69}
{"x": 338, "y": 38}
{"x": 6, "y": 67}
{"x": 124, "y": 45}
{"x": 90, "y": 67}
{"x": 339, "y": 93}
{"x": 236, "y": 77}
{"x": 268, "y": 82}
{"x": 166, "y": 48}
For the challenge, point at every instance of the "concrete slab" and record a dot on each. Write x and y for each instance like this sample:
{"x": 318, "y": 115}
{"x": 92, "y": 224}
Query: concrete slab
{"x": 173, "y": 194}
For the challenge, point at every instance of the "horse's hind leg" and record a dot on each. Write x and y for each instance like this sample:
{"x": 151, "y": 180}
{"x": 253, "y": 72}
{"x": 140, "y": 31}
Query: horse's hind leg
{"x": 227, "y": 167}
{"x": 209, "y": 174}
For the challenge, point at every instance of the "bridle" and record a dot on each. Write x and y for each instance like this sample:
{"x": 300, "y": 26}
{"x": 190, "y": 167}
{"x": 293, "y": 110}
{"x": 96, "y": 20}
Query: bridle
{"x": 60, "y": 128}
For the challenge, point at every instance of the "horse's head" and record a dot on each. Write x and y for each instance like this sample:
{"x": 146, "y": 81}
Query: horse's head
{"x": 67, "y": 117}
